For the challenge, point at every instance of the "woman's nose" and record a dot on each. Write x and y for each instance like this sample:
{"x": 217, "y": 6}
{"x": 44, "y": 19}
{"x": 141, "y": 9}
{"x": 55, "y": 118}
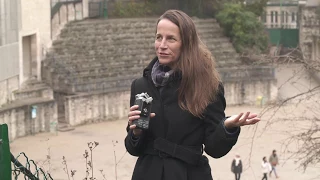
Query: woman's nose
{"x": 163, "y": 44}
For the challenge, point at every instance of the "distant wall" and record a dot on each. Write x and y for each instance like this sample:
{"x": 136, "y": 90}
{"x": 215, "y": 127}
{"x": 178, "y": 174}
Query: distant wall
{"x": 20, "y": 122}
{"x": 6, "y": 87}
{"x": 81, "y": 109}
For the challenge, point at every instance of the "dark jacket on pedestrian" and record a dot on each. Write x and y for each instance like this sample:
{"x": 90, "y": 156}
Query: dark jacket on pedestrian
{"x": 236, "y": 167}
{"x": 172, "y": 147}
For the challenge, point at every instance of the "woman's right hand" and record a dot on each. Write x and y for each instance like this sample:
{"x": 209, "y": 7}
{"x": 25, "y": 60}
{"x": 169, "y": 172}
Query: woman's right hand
{"x": 134, "y": 114}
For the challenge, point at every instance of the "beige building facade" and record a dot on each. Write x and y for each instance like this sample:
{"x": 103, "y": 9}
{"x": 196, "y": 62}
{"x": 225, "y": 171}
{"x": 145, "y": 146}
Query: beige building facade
{"x": 10, "y": 24}
{"x": 27, "y": 28}
{"x": 281, "y": 15}
{"x": 25, "y": 32}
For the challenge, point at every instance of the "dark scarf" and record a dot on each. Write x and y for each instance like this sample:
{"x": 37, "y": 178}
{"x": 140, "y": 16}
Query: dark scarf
{"x": 161, "y": 74}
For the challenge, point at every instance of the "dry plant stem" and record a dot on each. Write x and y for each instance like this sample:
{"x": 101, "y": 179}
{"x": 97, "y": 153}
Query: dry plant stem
{"x": 91, "y": 146}
{"x": 115, "y": 166}
{"x": 66, "y": 167}
{"x": 91, "y": 164}
{"x": 73, "y": 173}
{"x": 87, "y": 169}
{"x": 49, "y": 158}
{"x": 115, "y": 159}
{"x": 122, "y": 157}
{"x": 103, "y": 175}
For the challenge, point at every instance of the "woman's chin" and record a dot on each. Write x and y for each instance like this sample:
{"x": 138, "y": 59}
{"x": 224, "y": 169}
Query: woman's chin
{"x": 164, "y": 61}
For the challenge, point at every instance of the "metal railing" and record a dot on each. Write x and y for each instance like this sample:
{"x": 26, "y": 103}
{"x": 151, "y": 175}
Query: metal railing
{"x": 6, "y": 158}
{"x": 56, "y": 5}
{"x": 98, "y": 9}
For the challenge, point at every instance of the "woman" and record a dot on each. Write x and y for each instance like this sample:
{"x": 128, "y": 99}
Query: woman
{"x": 266, "y": 167}
{"x": 188, "y": 107}
{"x": 236, "y": 167}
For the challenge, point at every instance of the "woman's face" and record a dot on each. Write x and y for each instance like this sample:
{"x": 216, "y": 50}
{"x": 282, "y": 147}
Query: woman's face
{"x": 168, "y": 42}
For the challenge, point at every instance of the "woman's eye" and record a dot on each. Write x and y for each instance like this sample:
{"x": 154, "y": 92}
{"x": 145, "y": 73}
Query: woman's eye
{"x": 171, "y": 39}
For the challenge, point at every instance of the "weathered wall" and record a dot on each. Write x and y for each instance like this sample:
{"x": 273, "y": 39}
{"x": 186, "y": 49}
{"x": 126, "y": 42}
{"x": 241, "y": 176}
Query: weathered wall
{"x": 249, "y": 84}
{"x": 6, "y": 87}
{"x": 20, "y": 123}
{"x": 309, "y": 32}
{"x": 80, "y": 109}
{"x": 250, "y": 92}
{"x": 293, "y": 79}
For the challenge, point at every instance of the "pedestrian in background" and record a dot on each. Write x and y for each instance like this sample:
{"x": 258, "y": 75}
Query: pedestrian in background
{"x": 236, "y": 166}
{"x": 274, "y": 161}
{"x": 266, "y": 168}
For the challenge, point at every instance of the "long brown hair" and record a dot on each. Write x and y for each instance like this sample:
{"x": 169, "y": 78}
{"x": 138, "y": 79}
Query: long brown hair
{"x": 200, "y": 79}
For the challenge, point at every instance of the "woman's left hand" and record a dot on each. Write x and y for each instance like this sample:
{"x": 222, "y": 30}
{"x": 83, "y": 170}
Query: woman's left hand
{"x": 242, "y": 119}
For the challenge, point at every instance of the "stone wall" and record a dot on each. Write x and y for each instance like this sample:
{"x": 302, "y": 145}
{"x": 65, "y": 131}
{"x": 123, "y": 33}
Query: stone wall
{"x": 294, "y": 79}
{"x": 245, "y": 85}
{"x": 81, "y": 109}
{"x": 21, "y": 123}
{"x": 6, "y": 87}
{"x": 309, "y": 32}
{"x": 251, "y": 92}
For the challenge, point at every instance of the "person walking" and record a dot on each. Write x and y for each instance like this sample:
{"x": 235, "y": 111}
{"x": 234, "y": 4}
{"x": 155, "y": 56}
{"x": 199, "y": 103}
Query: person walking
{"x": 274, "y": 161}
{"x": 236, "y": 166}
{"x": 266, "y": 168}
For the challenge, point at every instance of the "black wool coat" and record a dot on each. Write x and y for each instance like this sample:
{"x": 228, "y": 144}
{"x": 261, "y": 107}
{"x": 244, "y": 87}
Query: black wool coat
{"x": 238, "y": 168}
{"x": 181, "y": 128}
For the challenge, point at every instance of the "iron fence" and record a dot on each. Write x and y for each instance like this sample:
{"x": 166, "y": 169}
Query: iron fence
{"x": 56, "y": 5}
{"x": 6, "y": 158}
{"x": 98, "y": 8}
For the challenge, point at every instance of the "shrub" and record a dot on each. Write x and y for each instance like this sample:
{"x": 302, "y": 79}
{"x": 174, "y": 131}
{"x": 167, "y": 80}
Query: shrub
{"x": 243, "y": 28}
{"x": 133, "y": 9}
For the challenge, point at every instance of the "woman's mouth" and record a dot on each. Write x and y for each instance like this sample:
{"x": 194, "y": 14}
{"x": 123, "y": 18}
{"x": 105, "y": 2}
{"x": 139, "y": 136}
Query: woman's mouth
{"x": 164, "y": 54}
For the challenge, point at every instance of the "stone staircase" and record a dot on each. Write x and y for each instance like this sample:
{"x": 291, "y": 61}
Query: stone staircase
{"x": 32, "y": 89}
{"x": 106, "y": 55}
{"x": 31, "y": 92}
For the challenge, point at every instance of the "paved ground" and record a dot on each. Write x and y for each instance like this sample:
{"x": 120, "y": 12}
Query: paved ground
{"x": 73, "y": 144}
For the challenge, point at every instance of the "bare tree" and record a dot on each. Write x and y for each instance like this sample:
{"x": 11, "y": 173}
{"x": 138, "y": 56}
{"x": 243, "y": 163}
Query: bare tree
{"x": 303, "y": 142}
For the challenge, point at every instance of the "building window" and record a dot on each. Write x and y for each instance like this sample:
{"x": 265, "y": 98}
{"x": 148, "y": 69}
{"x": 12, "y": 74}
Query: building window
{"x": 276, "y": 16}
{"x": 282, "y": 16}
{"x": 293, "y": 17}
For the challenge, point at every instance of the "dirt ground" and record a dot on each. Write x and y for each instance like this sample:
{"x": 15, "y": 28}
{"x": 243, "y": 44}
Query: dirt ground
{"x": 110, "y": 136}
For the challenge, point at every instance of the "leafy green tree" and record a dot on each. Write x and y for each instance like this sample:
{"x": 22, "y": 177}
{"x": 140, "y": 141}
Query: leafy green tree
{"x": 244, "y": 29}
{"x": 257, "y": 7}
